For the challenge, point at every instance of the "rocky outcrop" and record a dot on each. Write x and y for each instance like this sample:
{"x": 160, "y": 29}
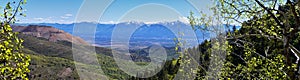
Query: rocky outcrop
{"x": 48, "y": 32}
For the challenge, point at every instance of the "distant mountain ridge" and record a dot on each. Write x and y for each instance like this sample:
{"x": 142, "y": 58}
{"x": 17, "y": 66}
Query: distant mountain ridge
{"x": 146, "y": 34}
{"x": 48, "y": 32}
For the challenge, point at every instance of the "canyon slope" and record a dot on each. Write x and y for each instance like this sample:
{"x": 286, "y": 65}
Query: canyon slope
{"x": 50, "y": 33}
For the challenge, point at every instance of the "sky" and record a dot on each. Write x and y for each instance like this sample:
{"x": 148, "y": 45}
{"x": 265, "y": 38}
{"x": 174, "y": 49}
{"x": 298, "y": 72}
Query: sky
{"x": 66, "y": 11}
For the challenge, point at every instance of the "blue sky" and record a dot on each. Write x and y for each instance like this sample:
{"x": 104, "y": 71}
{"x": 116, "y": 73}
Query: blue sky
{"x": 65, "y": 11}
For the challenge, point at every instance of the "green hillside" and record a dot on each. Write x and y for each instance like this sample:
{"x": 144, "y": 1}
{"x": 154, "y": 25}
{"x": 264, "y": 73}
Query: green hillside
{"x": 54, "y": 60}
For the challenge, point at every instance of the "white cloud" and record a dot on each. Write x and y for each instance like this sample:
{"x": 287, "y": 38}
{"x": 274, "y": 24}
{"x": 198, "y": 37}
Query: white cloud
{"x": 49, "y": 20}
{"x": 50, "y": 17}
{"x": 184, "y": 20}
{"x": 66, "y": 16}
{"x": 38, "y": 19}
{"x": 69, "y": 15}
{"x": 109, "y": 22}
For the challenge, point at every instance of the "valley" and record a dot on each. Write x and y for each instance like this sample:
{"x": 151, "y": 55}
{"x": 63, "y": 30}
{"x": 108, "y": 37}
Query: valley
{"x": 52, "y": 58}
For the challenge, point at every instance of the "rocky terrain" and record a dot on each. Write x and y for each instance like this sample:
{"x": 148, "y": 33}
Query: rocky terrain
{"x": 50, "y": 33}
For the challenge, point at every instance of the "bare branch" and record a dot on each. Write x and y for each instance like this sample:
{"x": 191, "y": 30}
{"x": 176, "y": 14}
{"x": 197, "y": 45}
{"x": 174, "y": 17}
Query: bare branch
{"x": 15, "y": 12}
{"x": 239, "y": 57}
{"x": 267, "y": 50}
{"x": 297, "y": 19}
{"x": 269, "y": 12}
{"x": 296, "y": 52}
{"x": 263, "y": 35}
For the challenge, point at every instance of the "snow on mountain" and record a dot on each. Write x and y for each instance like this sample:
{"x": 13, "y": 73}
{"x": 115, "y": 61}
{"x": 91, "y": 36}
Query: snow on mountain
{"x": 145, "y": 34}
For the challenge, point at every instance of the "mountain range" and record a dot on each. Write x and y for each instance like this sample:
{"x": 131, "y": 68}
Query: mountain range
{"x": 162, "y": 33}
